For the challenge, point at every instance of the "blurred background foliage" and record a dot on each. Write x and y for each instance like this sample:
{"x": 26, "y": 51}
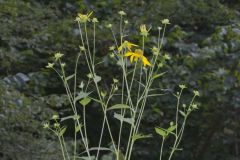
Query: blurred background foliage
{"x": 203, "y": 42}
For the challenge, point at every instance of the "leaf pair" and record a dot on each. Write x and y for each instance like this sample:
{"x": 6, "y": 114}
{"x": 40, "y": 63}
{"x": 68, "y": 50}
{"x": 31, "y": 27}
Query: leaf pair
{"x": 165, "y": 132}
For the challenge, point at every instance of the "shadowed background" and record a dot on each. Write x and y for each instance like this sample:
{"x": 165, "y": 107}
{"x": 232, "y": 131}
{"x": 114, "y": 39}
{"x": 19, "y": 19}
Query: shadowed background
{"x": 203, "y": 41}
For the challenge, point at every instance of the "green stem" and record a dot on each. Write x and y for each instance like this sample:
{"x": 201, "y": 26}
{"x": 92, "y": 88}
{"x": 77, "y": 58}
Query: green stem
{"x": 63, "y": 153}
{"x": 161, "y": 150}
{"x": 85, "y": 125}
{"x": 65, "y": 147}
{"x": 177, "y": 110}
{"x": 100, "y": 140}
{"x": 75, "y": 141}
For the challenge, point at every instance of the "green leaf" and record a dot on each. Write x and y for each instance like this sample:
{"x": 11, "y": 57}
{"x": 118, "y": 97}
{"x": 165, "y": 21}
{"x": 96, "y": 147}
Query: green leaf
{"x": 63, "y": 130}
{"x": 85, "y": 101}
{"x": 82, "y": 95}
{"x": 161, "y": 132}
{"x": 119, "y": 106}
{"x": 77, "y": 128}
{"x": 86, "y": 158}
{"x": 96, "y": 100}
{"x": 70, "y": 117}
{"x": 182, "y": 113}
{"x": 157, "y": 110}
{"x": 121, "y": 118}
{"x": 171, "y": 128}
{"x": 97, "y": 78}
{"x": 158, "y": 75}
{"x": 70, "y": 77}
{"x": 140, "y": 136}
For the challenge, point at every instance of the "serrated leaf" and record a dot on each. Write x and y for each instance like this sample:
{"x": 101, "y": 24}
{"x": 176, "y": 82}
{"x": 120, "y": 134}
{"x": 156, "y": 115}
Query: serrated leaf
{"x": 63, "y": 130}
{"x": 97, "y": 78}
{"x": 85, "y": 101}
{"x": 82, "y": 95}
{"x": 140, "y": 136}
{"x": 161, "y": 131}
{"x": 70, "y": 77}
{"x": 121, "y": 118}
{"x": 119, "y": 106}
{"x": 182, "y": 113}
{"x": 158, "y": 75}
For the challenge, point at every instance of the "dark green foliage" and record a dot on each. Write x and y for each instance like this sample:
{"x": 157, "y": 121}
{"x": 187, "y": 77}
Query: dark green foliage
{"x": 203, "y": 41}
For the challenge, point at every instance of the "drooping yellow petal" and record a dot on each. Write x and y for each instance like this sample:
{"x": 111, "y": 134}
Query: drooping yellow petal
{"x": 127, "y": 54}
{"x": 131, "y": 58}
{"x": 130, "y": 45}
{"x": 145, "y": 61}
{"x": 127, "y": 45}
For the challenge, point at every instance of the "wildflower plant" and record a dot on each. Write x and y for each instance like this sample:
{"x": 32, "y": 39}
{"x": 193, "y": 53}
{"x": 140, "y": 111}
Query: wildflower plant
{"x": 132, "y": 89}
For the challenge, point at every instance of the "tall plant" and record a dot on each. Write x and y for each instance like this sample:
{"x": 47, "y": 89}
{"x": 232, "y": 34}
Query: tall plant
{"x": 138, "y": 72}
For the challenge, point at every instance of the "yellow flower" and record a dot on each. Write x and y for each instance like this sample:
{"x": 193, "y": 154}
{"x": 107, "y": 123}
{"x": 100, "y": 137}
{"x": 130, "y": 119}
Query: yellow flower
{"x": 83, "y": 18}
{"x": 143, "y": 30}
{"x": 127, "y": 45}
{"x": 137, "y": 54}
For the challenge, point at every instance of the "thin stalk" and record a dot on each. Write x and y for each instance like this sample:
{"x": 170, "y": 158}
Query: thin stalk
{"x": 101, "y": 135}
{"x": 71, "y": 100}
{"x": 89, "y": 52}
{"x": 75, "y": 142}
{"x": 65, "y": 147}
{"x": 63, "y": 153}
{"x": 129, "y": 143}
{"x": 177, "y": 139}
{"x": 130, "y": 150}
{"x": 177, "y": 110}
{"x": 85, "y": 125}
{"x": 84, "y": 140}
{"x": 150, "y": 80}
{"x": 104, "y": 120}
{"x": 86, "y": 56}
{"x": 178, "y": 136}
{"x": 75, "y": 77}
{"x": 94, "y": 42}
{"x": 161, "y": 150}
